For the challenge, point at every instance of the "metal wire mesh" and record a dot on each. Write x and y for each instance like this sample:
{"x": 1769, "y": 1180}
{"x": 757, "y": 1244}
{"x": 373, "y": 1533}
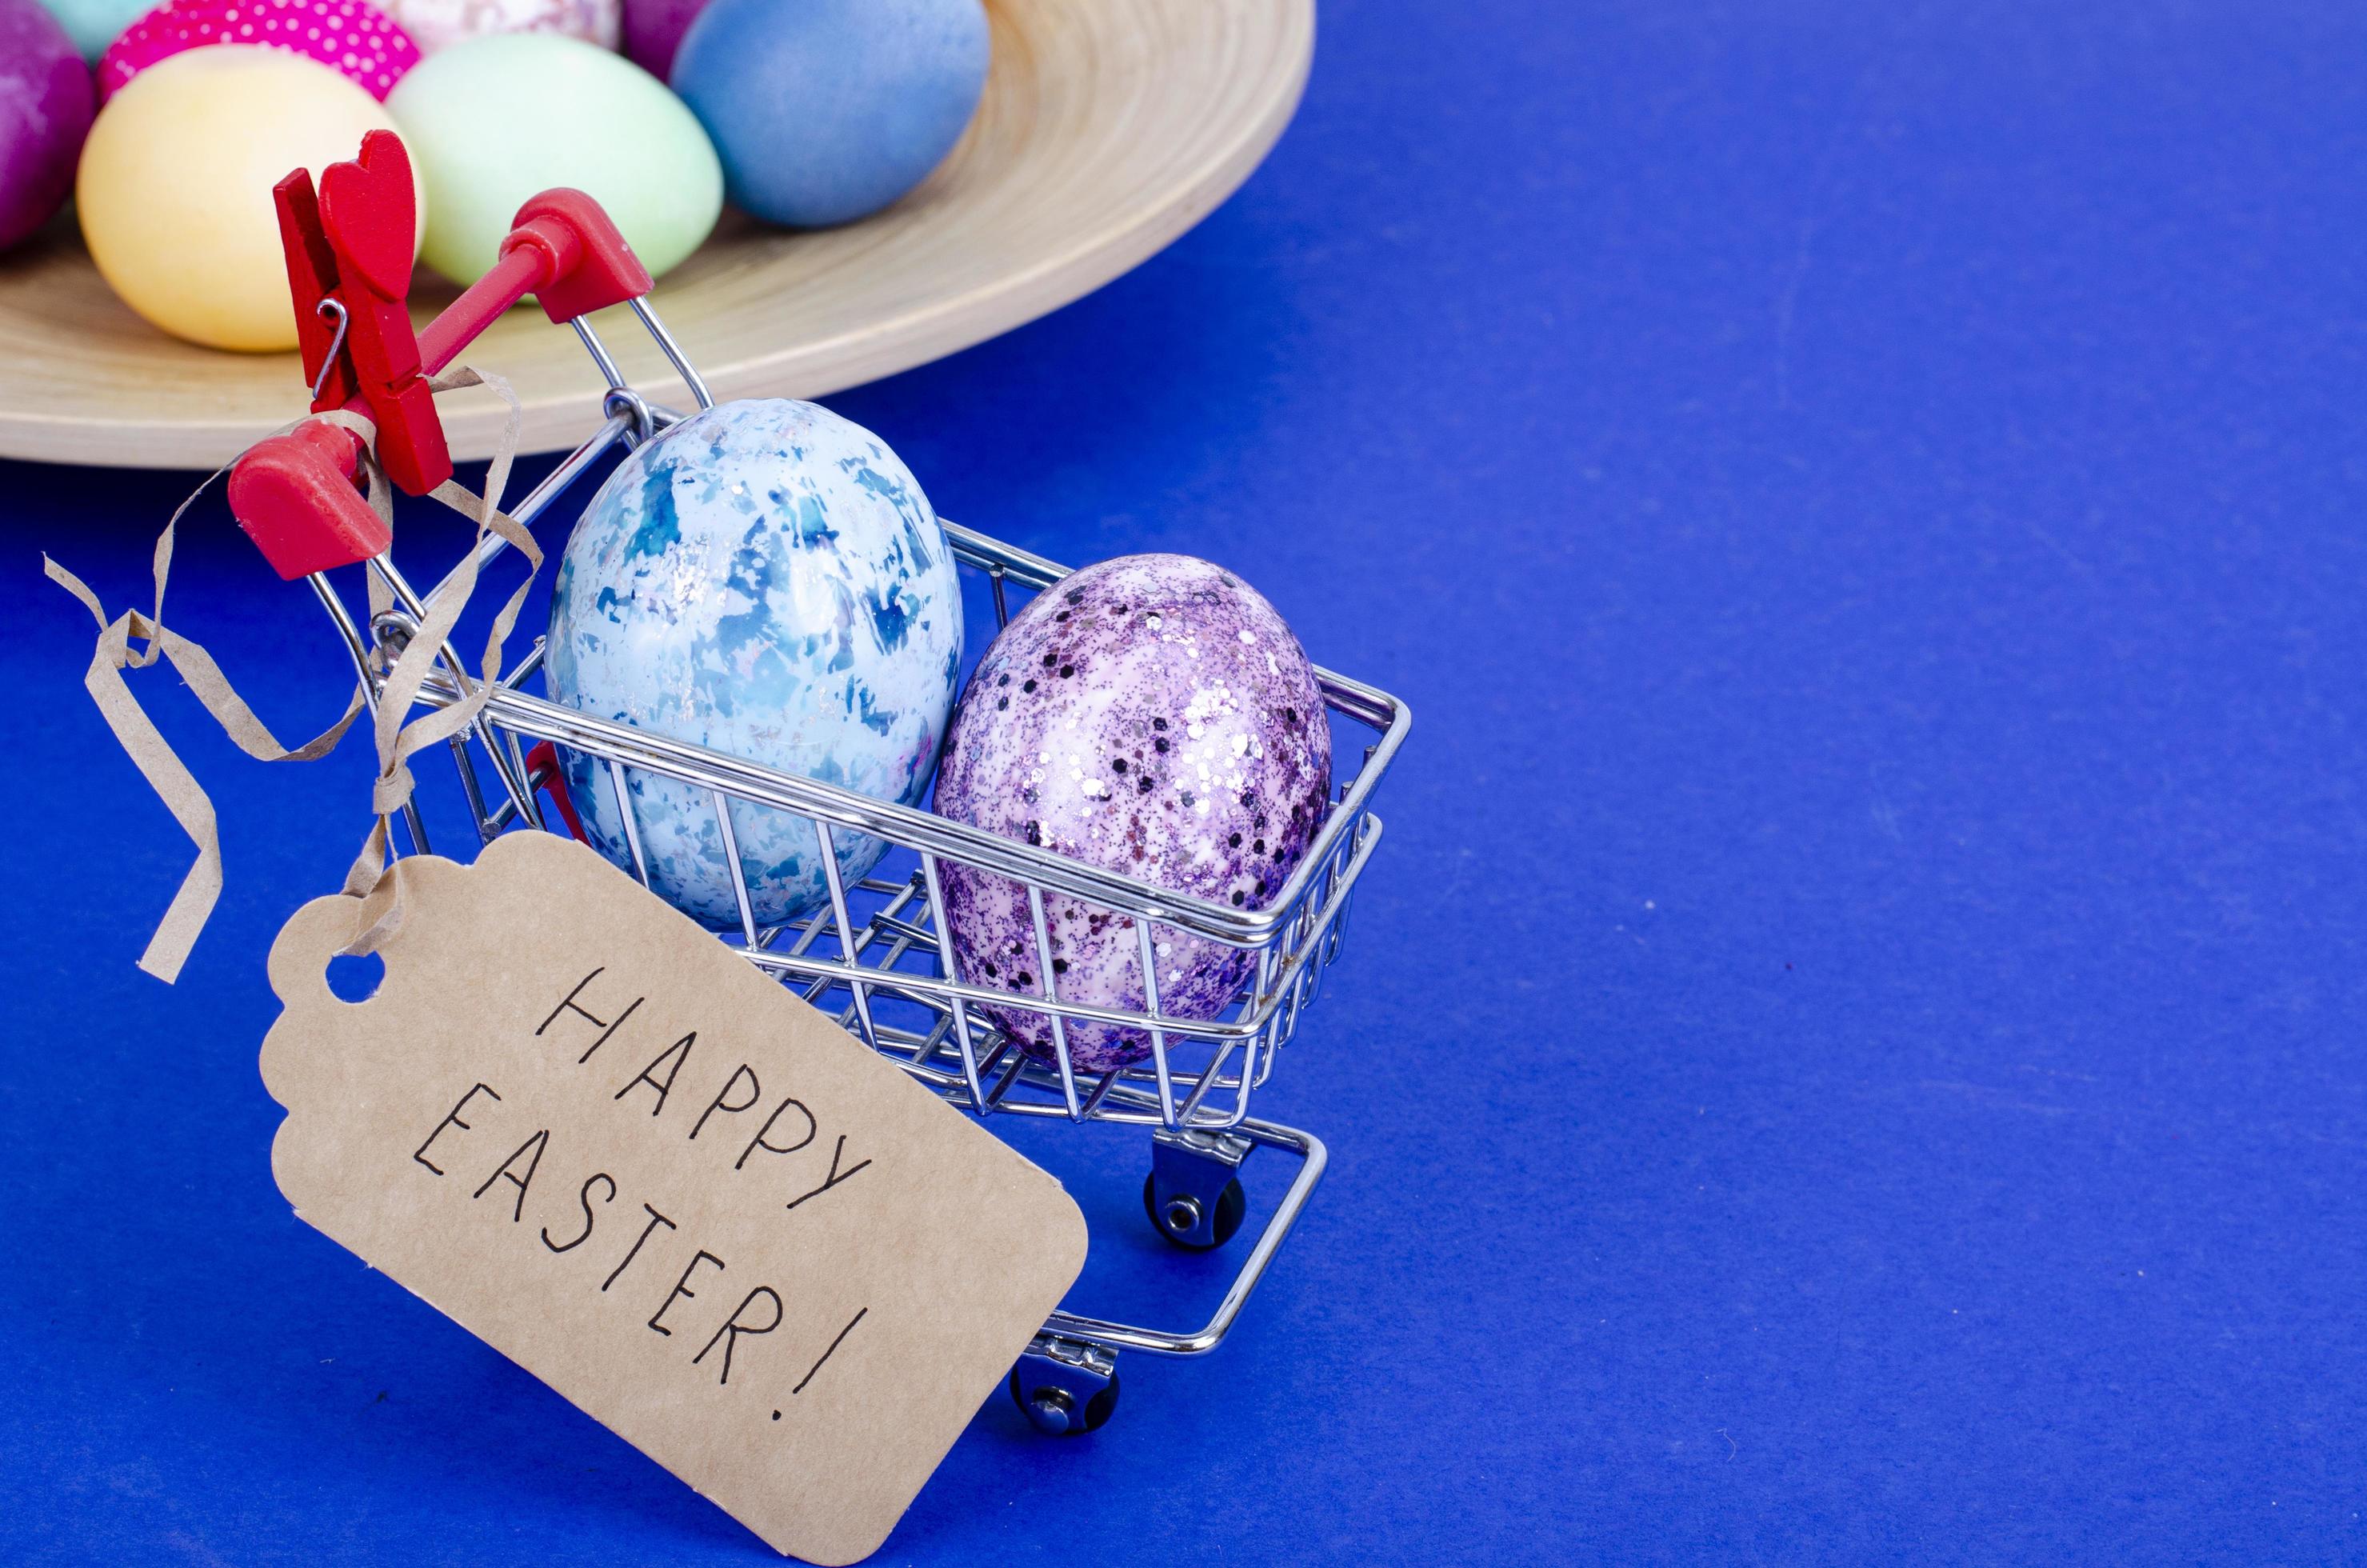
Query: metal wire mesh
{"x": 875, "y": 954}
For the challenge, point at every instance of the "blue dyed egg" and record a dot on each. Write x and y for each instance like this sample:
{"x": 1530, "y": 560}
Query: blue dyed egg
{"x": 764, "y": 579}
{"x": 824, "y": 111}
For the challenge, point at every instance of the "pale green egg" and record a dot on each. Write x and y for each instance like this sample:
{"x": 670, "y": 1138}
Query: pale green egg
{"x": 494, "y": 120}
{"x": 95, "y": 24}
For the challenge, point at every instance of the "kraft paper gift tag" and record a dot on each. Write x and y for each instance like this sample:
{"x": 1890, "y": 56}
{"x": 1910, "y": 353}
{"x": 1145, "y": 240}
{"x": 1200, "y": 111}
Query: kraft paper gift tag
{"x": 615, "y": 1149}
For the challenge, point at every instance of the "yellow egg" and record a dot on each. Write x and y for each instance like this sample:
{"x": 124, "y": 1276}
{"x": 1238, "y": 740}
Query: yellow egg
{"x": 175, "y": 186}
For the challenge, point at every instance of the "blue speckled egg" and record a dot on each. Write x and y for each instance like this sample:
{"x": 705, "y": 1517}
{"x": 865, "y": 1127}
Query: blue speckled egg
{"x": 766, "y": 579}
{"x": 1153, "y": 716}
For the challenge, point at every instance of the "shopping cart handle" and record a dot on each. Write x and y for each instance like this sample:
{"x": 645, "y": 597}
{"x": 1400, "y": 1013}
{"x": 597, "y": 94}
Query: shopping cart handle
{"x": 349, "y": 246}
{"x": 295, "y": 495}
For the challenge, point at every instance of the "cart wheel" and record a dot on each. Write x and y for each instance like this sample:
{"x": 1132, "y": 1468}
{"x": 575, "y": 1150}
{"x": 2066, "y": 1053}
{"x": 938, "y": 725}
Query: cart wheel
{"x": 1053, "y": 1410}
{"x": 1181, "y": 1220}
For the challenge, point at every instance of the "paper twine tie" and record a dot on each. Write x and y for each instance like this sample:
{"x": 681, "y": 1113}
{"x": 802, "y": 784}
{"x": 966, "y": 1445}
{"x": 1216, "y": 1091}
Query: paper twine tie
{"x": 371, "y": 877}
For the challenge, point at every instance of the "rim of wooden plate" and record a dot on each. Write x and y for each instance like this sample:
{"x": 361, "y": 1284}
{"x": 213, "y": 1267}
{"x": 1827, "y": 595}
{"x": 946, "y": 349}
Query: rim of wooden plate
{"x": 1108, "y": 129}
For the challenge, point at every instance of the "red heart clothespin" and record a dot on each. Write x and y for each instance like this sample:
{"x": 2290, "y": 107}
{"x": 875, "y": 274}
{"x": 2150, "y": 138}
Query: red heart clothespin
{"x": 349, "y": 249}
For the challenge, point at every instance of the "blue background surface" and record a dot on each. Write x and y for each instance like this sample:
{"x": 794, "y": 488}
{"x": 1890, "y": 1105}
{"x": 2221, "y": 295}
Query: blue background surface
{"x": 1851, "y": 1048}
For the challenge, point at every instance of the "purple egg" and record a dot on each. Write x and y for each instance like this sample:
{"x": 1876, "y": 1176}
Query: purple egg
{"x": 1151, "y": 716}
{"x": 47, "y": 98}
{"x": 654, "y": 30}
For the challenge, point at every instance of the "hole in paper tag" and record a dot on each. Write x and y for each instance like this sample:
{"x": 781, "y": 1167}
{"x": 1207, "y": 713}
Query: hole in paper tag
{"x": 608, "y": 1145}
{"x": 356, "y": 977}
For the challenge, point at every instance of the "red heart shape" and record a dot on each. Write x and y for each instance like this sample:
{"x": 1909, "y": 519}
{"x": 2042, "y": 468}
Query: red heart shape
{"x": 371, "y": 211}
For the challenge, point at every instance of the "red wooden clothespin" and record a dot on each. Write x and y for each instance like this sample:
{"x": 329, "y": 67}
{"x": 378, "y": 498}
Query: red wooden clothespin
{"x": 364, "y": 226}
{"x": 349, "y": 254}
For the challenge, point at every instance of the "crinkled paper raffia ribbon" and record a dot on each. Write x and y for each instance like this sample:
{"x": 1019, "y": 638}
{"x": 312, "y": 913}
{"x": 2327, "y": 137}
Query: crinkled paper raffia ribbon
{"x": 371, "y": 877}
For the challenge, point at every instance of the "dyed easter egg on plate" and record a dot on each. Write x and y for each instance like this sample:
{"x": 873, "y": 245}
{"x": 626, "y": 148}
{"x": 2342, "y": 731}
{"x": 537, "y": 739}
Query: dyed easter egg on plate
{"x": 438, "y": 25}
{"x": 45, "y": 109}
{"x": 495, "y": 121}
{"x": 766, "y": 579}
{"x": 349, "y": 35}
{"x": 175, "y": 186}
{"x": 1153, "y": 716}
{"x": 824, "y": 111}
{"x": 653, "y": 29}
{"x": 94, "y": 23}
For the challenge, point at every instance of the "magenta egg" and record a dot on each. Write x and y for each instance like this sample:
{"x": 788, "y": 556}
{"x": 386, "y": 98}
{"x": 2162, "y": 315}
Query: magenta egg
{"x": 350, "y": 36}
{"x": 1151, "y": 716}
{"x": 45, "y": 112}
{"x": 654, "y": 30}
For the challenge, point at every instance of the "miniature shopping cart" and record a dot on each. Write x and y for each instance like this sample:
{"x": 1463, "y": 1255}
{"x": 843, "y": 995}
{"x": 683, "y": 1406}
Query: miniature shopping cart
{"x": 874, "y": 954}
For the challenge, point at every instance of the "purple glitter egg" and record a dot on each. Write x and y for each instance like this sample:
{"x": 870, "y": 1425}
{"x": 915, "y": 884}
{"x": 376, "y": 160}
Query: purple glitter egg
{"x": 46, "y": 102}
{"x": 1151, "y": 716}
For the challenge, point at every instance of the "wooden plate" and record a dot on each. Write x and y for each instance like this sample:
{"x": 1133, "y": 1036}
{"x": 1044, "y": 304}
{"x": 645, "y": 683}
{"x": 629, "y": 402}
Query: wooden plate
{"x": 1109, "y": 128}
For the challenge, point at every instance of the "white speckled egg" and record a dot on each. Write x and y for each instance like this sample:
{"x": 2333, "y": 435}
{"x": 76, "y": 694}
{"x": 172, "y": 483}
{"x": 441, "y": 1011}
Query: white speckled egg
{"x": 1153, "y": 716}
{"x": 766, "y": 579}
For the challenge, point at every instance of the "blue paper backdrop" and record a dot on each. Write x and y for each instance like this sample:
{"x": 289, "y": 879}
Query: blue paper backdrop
{"x": 1852, "y": 1048}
